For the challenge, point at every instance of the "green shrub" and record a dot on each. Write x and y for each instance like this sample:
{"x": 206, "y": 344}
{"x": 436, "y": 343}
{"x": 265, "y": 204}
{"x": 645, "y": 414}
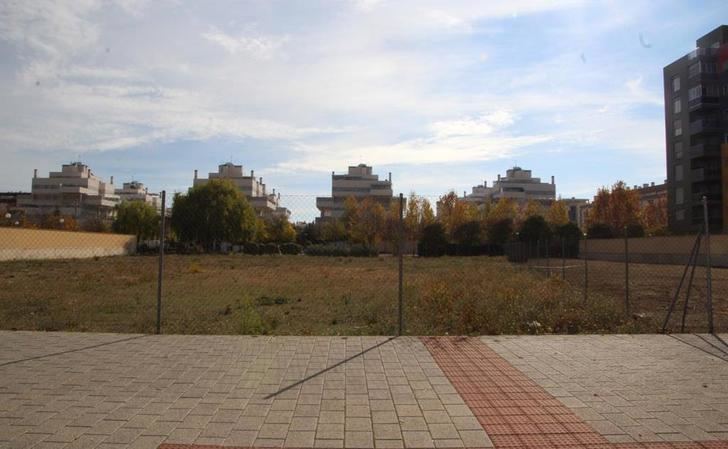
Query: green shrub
{"x": 433, "y": 242}
{"x": 340, "y": 249}
{"x": 252, "y": 248}
{"x": 251, "y": 322}
{"x": 270, "y": 248}
{"x": 291, "y": 248}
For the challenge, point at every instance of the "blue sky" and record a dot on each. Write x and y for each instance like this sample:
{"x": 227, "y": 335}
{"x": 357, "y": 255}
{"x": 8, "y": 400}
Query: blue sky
{"x": 442, "y": 94}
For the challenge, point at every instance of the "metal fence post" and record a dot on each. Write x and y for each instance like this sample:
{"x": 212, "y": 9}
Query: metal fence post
{"x": 626, "y": 270}
{"x": 162, "y": 231}
{"x": 586, "y": 268}
{"x": 548, "y": 258}
{"x": 708, "y": 274}
{"x": 563, "y": 259}
{"x": 401, "y": 263}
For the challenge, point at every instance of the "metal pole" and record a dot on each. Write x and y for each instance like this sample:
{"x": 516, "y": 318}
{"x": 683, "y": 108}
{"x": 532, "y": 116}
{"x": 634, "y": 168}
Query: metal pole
{"x": 548, "y": 258}
{"x": 708, "y": 274}
{"x": 691, "y": 260}
{"x": 626, "y": 270}
{"x": 401, "y": 263}
{"x": 586, "y": 268}
{"x": 563, "y": 259}
{"x": 161, "y": 262}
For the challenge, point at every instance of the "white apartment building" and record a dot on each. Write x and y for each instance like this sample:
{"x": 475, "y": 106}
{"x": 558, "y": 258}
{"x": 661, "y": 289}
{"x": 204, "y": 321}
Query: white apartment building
{"x": 136, "y": 191}
{"x": 518, "y": 185}
{"x": 73, "y": 191}
{"x": 359, "y": 182}
{"x": 265, "y": 204}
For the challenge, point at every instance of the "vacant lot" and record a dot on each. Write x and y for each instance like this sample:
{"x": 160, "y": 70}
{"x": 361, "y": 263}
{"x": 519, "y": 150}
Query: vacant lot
{"x": 302, "y": 295}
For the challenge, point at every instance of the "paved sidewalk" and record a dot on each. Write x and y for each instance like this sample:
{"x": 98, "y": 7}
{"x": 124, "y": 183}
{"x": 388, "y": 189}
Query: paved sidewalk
{"x": 110, "y": 391}
{"x": 237, "y": 391}
{"x": 631, "y": 388}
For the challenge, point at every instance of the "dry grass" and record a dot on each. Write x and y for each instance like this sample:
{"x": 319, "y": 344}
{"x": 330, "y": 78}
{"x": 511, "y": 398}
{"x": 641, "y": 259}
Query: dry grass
{"x": 299, "y": 295}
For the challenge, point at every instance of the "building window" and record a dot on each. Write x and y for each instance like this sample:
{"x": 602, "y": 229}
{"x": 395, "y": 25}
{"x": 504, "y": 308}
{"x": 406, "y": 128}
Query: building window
{"x": 676, "y": 84}
{"x": 678, "y": 173}
{"x": 679, "y": 195}
{"x": 678, "y": 150}
{"x": 677, "y": 106}
{"x": 680, "y": 215}
{"x": 694, "y": 69}
{"x": 695, "y": 92}
{"x": 677, "y": 126}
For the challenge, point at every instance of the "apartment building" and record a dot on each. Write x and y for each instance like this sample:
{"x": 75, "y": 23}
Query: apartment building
{"x": 136, "y": 191}
{"x": 651, "y": 193}
{"x": 519, "y": 185}
{"x": 73, "y": 191}
{"x": 696, "y": 125}
{"x": 359, "y": 182}
{"x": 265, "y": 204}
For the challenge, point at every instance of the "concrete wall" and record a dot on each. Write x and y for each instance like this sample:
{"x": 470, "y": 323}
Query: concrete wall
{"x": 660, "y": 250}
{"x": 18, "y": 243}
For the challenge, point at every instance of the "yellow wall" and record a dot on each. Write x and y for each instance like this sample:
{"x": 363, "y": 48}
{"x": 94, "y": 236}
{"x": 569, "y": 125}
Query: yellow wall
{"x": 18, "y": 243}
{"x": 669, "y": 250}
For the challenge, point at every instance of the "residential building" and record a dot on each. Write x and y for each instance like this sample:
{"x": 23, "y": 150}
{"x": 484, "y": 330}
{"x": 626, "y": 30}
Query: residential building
{"x": 359, "y": 182}
{"x": 577, "y": 209}
{"x": 651, "y": 193}
{"x": 696, "y": 124}
{"x": 265, "y": 204}
{"x": 136, "y": 191}
{"x": 73, "y": 191}
{"x": 518, "y": 185}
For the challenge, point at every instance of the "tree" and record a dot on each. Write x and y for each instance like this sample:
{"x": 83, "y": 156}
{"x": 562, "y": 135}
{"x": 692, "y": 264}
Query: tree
{"x": 558, "y": 214}
{"x": 534, "y": 229}
{"x": 616, "y": 208}
{"x": 654, "y": 216}
{"x": 333, "y": 231}
{"x": 413, "y": 218}
{"x": 310, "y": 233}
{"x": 530, "y": 209}
{"x": 137, "y": 218}
{"x": 433, "y": 242}
{"x": 505, "y": 208}
{"x": 427, "y": 214}
{"x": 499, "y": 231}
{"x": 212, "y": 213}
{"x": 453, "y": 212}
{"x": 368, "y": 222}
{"x": 468, "y": 233}
{"x": 280, "y": 230}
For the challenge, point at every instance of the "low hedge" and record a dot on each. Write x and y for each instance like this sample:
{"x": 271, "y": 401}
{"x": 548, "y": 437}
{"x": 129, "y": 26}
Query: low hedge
{"x": 340, "y": 250}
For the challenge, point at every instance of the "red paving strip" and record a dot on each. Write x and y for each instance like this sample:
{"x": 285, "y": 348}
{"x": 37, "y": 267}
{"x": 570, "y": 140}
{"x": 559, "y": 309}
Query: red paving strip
{"x": 514, "y": 410}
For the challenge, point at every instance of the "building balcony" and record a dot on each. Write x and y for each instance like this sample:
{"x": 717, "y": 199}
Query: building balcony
{"x": 704, "y": 126}
{"x": 705, "y": 174}
{"x": 704, "y": 150}
{"x": 704, "y": 102}
{"x": 324, "y": 203}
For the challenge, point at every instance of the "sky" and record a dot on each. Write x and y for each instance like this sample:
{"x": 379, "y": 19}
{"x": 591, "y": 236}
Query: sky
{"x": 442, "y": 94}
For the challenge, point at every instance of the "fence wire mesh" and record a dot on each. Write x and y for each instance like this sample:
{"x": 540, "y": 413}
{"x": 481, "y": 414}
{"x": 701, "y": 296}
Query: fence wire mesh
{"x": 295, "y": 265}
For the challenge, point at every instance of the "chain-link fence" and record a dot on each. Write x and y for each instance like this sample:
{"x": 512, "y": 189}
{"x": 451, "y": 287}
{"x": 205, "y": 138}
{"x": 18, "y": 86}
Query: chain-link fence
{"x": 301, "y": 265}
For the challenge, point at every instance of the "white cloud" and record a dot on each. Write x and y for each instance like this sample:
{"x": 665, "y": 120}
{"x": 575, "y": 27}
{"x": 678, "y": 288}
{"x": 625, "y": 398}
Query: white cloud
{"x": 263, "y": 47}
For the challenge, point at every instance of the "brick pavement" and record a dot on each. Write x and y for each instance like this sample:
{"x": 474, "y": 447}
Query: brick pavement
{"x": 221, "y": 390}
{"x": 109, "y": 391}
{"x": 631, "y": 388}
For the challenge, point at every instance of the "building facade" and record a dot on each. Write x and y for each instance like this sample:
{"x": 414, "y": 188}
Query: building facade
{"x": 136, "y": 191}
{"x": 265, "y": 204}
{"x": 359, "y": 182}
{"x": 73, "y": 191}
{"x": 518, "y": 185}
{"x": 696, "y": 124}
{"x": 651, "y": 193}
